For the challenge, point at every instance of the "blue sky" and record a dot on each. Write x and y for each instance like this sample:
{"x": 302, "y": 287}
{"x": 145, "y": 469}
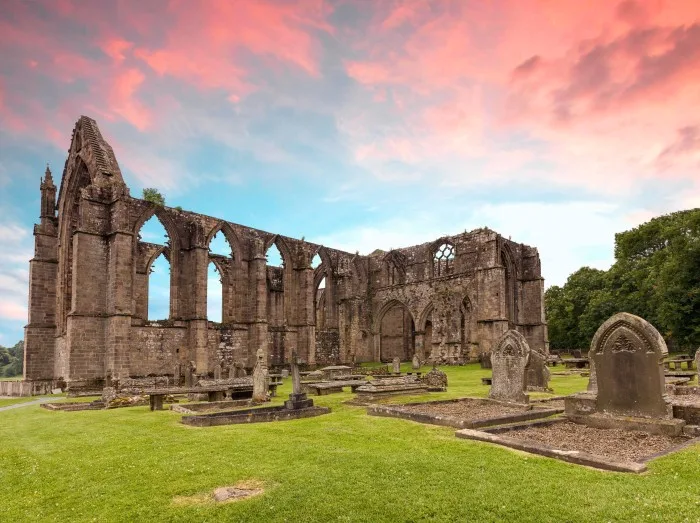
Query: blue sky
{"x": 361, "y": 128}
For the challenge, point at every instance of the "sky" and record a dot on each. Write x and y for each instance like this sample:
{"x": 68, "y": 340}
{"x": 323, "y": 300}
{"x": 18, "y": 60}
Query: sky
{"x": 361, "y": 124}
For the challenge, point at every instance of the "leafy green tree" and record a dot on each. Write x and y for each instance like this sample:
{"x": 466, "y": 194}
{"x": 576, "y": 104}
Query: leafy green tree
{"x": 151, "y": 194}
{"x": 656, "y": 275}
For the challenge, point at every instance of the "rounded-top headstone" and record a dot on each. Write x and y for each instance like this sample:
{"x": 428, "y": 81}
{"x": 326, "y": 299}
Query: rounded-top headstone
{"x": 508, "y": 361}
{"x": 628, "y": 354}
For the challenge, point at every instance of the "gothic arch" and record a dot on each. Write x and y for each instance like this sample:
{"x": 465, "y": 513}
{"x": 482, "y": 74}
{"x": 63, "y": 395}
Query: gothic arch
{"x": 396, "y": 330}
{"x": 231, "y": 237}
{"x": 424, "y": 315}
{"x": 285, "y": 251}
{"x": 510, "y": 284}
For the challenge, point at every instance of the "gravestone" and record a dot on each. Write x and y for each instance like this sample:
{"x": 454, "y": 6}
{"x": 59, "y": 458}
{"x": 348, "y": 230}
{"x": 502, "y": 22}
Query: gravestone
{"x": 697, "y": 362}
{"x": 628, "y": 353}
{"x": 415, "y": 365}
{"x": 436, "y": 380}
{"x": 260, "y": 378}
{"x": 576, "y": 354}
{"x": 395, "y": 365}
{"x": 508, "y": 361}
{"x": 177, "y": 375}
{"x": 217, "y": 372}
{"x": 189, "y": 374}
{"x": 297, "y": 399}
{"x": 536, "y": 371}
{"x": 285, "y": 373}
{"x": 485, "y": 360}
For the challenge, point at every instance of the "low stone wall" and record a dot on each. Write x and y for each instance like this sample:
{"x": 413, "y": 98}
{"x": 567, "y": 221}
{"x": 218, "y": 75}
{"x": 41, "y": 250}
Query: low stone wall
{"x": 27, "y": 388}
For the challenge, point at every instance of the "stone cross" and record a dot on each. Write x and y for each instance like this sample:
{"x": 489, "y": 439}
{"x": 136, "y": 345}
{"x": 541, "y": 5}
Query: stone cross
{"x": 396, "y": 365}
{"x": 296, "y": 377}
{"x": 508, "y": 361}
{"x": 628, "y": 353}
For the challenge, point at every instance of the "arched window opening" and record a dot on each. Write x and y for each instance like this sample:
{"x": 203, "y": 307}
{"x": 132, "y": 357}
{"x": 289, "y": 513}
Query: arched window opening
{"x": 219, "y": 245}
{"x": 215, "y": 310}
{"x": 443, "y": 260}
{"x": 320, "y": 304}
{"x": 397, "y": 334}
{"x": 316, "y": 261}
{"x": 152, "y": 231}
{"x": 152, "y": 287}
{"x": 274, "y": 257}
{"x": 159, "y": 289}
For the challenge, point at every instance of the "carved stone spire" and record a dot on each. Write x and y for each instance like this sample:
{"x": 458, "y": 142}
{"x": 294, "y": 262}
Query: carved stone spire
{"x": 48, "y": 195}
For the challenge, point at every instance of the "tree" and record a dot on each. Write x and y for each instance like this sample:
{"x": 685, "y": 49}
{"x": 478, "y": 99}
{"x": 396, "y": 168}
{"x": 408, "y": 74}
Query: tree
{"x": 656, "y": 275}
{"x": 151, "y": 194}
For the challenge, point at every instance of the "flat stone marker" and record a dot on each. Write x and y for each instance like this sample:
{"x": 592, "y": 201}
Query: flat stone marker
{"x": 508, "y": 361}
{"x": 628, "y": 353}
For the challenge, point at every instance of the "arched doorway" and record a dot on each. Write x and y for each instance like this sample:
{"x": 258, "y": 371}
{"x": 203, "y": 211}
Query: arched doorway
{"x": 397, "y": 333}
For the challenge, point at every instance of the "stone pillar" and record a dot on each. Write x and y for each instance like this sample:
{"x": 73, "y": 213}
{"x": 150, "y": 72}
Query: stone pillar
{"x": 258, "y": 295}
{"x": 39, "y": 341}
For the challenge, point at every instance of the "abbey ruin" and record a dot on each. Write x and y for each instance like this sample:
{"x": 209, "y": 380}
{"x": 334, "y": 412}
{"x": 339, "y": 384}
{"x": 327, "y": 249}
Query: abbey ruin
{"x": 448, "y": 300}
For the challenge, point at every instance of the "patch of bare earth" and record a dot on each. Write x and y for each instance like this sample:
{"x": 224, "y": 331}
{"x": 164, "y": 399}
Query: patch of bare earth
{"x": 468, "y": 410}
{"x": 237, "y": 492}
{"x": 617, "y": 444}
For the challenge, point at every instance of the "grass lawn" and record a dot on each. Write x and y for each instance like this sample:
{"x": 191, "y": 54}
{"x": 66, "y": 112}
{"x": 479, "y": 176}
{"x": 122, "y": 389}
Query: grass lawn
{"x": 135, "y": 465}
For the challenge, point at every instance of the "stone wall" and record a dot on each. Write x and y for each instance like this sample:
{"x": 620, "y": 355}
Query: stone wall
{"x": 447, "y": 300}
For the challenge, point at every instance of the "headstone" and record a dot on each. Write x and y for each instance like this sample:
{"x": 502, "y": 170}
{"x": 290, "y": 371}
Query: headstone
{"x": 697, "y": 361}
{"x": 285, "y": 373}
{"x": 485, "y": 360}
{"x": 177, "y": 374}
{"x": 577, "y": 353}
{"x": 628, "y": 353}
{"x": 217, "y": 372}
{"x": 260, "y": 378}
{"x": 536, "y": 371}
{"x": 189, "y": 374}
{"x": 56, "y": 391}
{"x": 592, "y": 378}
{"x": 395, "y": 365}
{"x": 415, "y": 365}
{"x": 508, "y": 361}
{"x": 436, "y": 380}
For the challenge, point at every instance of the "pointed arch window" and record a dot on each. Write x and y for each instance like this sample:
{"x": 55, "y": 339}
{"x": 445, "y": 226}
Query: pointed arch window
{"x": 443, "y": 260}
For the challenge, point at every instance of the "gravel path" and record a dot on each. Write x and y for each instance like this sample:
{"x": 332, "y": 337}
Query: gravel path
{"x": 28, "y": 403}
{"x": 468, "y": 410}
{"x": 611, "y": 443}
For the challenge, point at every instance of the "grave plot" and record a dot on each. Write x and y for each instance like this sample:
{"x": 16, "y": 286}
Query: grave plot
{"x": 618, "y": 450}
{"x": 466, "y": 412}
{"x": 626, "y": 417}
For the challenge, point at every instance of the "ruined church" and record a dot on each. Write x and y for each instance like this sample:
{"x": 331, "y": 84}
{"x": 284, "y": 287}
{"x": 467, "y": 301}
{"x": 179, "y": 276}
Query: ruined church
{"x": 447, "y": 301}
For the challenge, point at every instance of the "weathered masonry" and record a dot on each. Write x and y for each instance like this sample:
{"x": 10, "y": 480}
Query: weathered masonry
{"x": 449, "y": 300}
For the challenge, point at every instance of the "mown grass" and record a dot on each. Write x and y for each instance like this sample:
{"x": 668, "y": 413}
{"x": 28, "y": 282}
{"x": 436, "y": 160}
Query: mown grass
{"x": 134, "y": 465}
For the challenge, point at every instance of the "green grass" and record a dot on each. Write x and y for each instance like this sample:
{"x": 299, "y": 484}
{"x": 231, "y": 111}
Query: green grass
{"x": 132, "y": 464}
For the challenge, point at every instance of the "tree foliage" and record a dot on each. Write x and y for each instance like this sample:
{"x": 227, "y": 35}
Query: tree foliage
{"x": 11, "y": 360}
{"x": 656, "y": 275}
{"x": 151, "y": 194}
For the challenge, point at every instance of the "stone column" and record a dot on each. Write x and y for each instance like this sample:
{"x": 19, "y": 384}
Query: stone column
{"x": 258, "y": 295}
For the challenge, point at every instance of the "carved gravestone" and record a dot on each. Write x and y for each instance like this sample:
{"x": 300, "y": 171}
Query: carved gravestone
{"x": 508, "y": 361}
{"x": 415, "y": 365}
{"x": 628, "y": 353}
{"x": 260, "y": 378}
{"x": 396, "y": 365}
{"x": 536, "y": 371}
